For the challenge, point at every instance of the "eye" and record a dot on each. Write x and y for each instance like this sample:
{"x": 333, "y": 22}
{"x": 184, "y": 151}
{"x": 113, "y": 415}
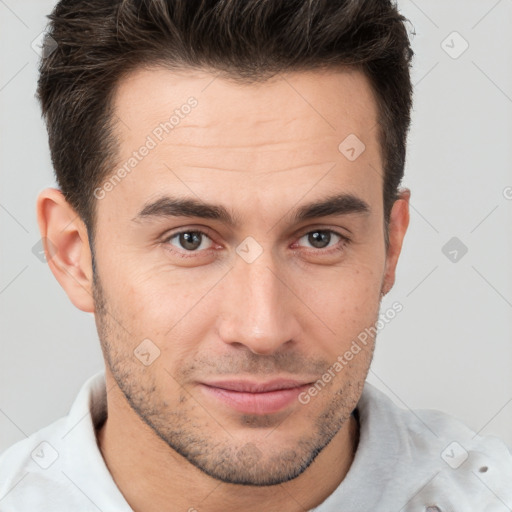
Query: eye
{"x": 190, "y": 241}
{"x": 195, "y": 241}
{"x": 321, "y": 239}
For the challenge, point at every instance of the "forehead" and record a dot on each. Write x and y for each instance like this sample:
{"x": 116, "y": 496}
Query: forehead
{"x": 314, "y": 104}
{"x": 321, "y": 95}
{"x": 213, "y": 132}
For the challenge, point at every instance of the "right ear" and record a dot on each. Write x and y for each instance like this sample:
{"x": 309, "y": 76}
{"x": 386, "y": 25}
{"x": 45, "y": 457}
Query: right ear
{"x": 66, "y": 245}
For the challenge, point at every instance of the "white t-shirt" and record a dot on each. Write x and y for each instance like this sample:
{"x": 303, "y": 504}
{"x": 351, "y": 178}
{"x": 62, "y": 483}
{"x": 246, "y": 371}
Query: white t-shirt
{"x": 408, "y": 461}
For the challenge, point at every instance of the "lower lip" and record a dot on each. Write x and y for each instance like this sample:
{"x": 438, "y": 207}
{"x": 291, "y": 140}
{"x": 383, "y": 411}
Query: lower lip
{"x": 256, "y": 403}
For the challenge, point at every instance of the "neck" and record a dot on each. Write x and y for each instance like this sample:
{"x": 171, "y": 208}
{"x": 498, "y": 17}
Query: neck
{"x": 151, "y": 475}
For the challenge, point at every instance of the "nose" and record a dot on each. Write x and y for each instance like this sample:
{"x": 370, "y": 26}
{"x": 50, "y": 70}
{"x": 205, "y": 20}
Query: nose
{"x": 259, "y": 311}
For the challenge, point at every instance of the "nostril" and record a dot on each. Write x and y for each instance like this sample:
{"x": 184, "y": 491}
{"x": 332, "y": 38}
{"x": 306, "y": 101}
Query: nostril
{"x": 483, "y": 469}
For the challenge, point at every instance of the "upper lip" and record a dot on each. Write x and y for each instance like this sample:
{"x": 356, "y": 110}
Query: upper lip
{"x": 256, "y": 387}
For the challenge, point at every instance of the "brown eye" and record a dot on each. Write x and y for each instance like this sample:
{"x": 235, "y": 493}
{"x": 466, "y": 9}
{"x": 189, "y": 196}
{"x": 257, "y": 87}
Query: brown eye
{"x": 190, "y": 241}
{"x": 322, "y": 239}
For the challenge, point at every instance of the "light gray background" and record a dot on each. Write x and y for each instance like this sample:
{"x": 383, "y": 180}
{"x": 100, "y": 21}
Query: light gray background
{"x": 449, "y": 349}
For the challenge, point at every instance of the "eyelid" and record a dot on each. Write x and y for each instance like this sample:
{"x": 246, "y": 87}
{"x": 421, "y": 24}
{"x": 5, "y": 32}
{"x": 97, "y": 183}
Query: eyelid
{"x": 201, "y": 230}
{"x": 205, "y": 232}
{"x": 187, "y": 229}
{"x": 344, "y": 240}
{"x": 311, "y": 229}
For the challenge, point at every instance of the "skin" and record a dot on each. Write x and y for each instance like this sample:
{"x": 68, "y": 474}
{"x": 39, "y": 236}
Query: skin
{"x": 262, "y": 151}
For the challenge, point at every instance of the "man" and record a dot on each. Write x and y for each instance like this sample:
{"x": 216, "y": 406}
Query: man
{"x": 229, "y": 209}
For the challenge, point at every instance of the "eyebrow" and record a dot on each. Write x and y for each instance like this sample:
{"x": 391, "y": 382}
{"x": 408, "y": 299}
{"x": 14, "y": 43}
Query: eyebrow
{"x": 167, "y": 206}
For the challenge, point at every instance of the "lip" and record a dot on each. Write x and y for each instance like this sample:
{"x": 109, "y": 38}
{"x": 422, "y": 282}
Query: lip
{"x": 256, "y": 397}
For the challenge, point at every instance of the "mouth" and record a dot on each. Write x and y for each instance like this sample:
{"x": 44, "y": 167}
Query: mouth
{"x": 251, "y": 397}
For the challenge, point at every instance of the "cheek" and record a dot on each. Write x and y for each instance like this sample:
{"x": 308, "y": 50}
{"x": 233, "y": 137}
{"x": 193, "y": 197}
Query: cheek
{"x": 349, "y": 292}
{"x": 165, "y": 303}
{"x": 167, "y": 306}
{"x": 147, "y": 290}
{"x": 347, "y": 304}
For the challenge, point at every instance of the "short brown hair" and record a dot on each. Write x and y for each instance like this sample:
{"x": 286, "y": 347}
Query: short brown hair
{"x": 100, "y": 41}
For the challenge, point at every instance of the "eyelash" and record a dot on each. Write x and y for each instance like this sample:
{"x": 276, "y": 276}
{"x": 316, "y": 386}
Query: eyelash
{"x": 344, "y": 241}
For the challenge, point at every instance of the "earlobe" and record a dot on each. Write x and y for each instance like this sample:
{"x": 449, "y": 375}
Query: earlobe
{"x": 398, "y": 223}
{"x": 66, "y": 244}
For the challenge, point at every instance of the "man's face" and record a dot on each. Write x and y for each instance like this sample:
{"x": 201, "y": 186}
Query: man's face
{"x": 191, "y": 323}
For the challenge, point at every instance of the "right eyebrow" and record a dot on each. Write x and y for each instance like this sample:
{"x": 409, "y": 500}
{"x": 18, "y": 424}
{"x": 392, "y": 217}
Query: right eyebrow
{"x": 168, "y": 206}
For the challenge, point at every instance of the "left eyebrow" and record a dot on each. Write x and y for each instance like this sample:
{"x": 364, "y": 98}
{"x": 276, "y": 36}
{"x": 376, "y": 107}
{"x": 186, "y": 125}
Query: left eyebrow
{"x": 334, "y": 205}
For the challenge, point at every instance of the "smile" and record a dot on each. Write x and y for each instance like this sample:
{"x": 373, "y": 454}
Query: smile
{"x": 255, "y": 398}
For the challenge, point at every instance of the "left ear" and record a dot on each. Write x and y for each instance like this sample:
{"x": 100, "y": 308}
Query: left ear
{"x": 398, "y": 223}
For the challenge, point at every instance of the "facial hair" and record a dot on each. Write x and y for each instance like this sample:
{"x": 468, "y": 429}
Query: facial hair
{"x": 187, "y": 427}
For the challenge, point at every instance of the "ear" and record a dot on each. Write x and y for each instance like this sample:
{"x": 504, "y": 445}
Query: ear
{"x": 398, "y": 223}
{"x": 66, "y": 245}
